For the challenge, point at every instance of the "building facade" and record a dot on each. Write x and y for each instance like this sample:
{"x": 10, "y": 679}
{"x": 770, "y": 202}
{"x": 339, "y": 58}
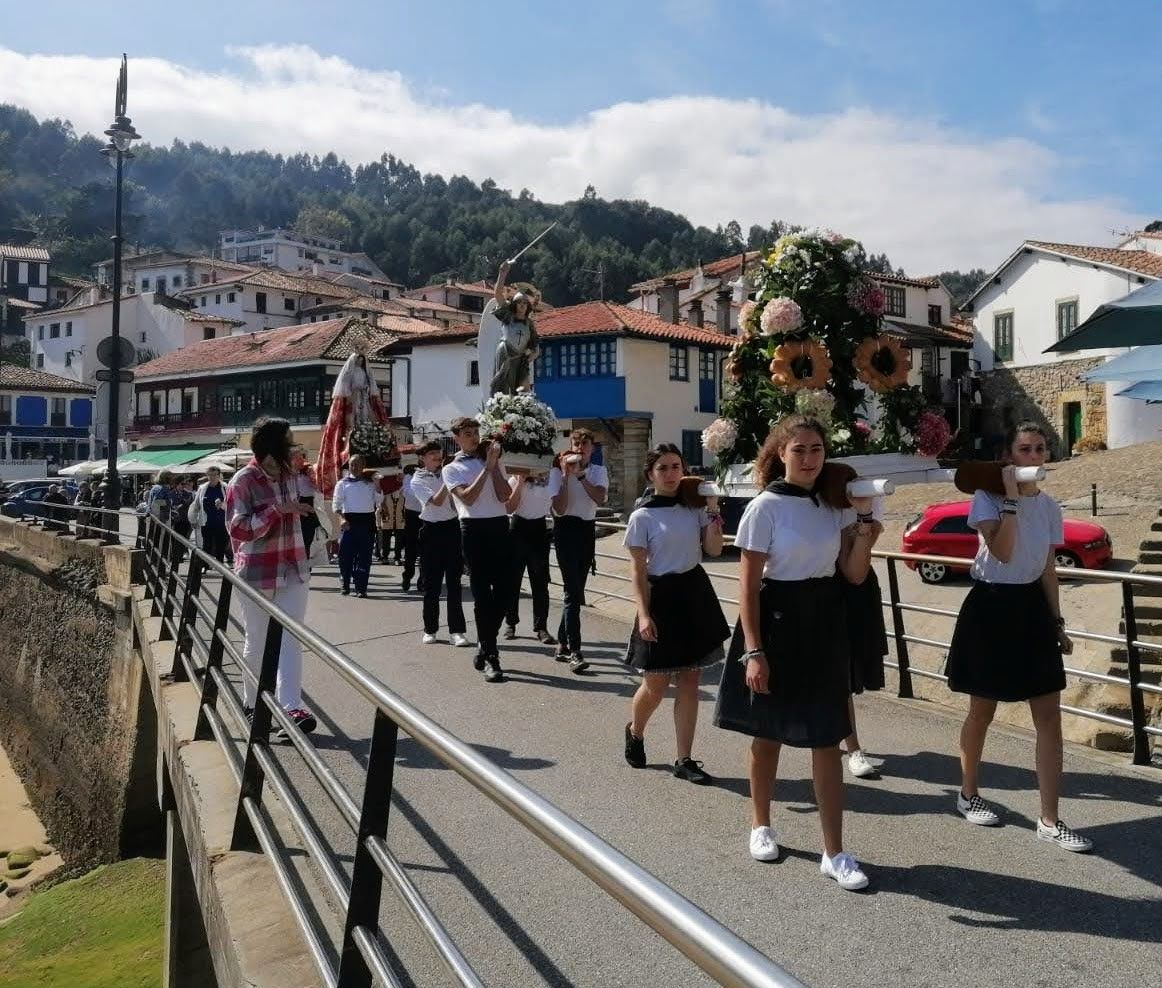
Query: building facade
{"x": 24, "y": 284}
{"x": 258, "y": 300}
{"x": 1038, "y": 295}
{"x": 288, "y": 250}
{"x": 43, "y": 416}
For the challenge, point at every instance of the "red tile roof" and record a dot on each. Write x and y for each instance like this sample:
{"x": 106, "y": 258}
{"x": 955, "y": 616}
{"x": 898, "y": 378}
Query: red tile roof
{"x": 924, "y": 335}
{"x": 14, "y": 377}
{"x": 900, "y": 279}
{"x": 715, "y": 269}
{"x": 331, "y": 340}
{"x": 280, "y": 281}
{"x": 608, "y": 317}
{"x": 1138, "y": 261}
{"x": 11, "y": 252}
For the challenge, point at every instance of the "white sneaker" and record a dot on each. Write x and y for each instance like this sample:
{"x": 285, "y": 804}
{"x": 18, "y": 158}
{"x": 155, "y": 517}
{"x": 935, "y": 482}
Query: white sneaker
{"x": 976, "y": 810}
{"x": 845, "y": 870}
{"x": 460, "y": 641}
{"x": 859, "y": 766}
{"x": 763, "y": 846}
{"x": 1063, "y": 837}
{"x": 428, "y": 639}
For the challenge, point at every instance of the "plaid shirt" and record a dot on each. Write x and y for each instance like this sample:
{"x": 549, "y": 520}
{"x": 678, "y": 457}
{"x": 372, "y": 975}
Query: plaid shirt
{"x": 268, "y": 546}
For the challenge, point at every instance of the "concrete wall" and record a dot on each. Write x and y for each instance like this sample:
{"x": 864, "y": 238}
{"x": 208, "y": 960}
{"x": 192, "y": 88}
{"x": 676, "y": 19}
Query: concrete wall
{"x": 74, "y": 716}
{"x": 648, "y": 388}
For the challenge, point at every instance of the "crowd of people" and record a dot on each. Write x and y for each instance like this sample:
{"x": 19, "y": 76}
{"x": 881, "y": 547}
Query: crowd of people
{"x": 810, "y": 633}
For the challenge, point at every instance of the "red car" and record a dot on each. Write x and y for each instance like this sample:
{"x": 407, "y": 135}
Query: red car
{"x": 942, "y": 530}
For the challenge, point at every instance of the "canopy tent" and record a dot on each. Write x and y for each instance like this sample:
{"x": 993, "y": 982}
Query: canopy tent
{"x": 86, "y": 468}
{"x": 1135, "y": 320}
{"x": 225, "y": 463}
{"x": 1138, "y": 365}
{"x": 163, "y": 457}
{"x": 1149, "y": 391}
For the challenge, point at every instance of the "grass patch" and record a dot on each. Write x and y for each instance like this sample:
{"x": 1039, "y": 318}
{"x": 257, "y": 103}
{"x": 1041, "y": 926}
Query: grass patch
{"x": 103, "y": 930}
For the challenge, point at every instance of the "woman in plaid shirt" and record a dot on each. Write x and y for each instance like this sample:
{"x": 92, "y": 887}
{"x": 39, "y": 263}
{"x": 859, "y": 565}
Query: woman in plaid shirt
{"x": 263, "y": 514}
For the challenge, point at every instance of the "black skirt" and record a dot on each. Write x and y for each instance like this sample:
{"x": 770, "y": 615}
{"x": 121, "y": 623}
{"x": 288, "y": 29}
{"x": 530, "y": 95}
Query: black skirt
{"x": 689, "y": 622}
{"x": 804, "y": 634}
{"x": 1005, "y": 644}
{"x": 866, "y": 632}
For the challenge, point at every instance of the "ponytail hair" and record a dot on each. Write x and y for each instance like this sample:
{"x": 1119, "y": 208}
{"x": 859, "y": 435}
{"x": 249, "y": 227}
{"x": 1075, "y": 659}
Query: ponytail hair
{"x": 768, "y": 466}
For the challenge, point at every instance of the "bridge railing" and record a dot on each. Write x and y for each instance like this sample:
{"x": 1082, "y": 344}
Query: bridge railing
{"x": 1137, "y": 723}
{"x": 192, "y": 595}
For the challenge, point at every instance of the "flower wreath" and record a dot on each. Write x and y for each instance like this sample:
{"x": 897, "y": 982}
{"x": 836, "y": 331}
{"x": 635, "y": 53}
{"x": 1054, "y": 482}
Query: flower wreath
{"x": 882, "y": 363}
{"x": 800, "y": 364}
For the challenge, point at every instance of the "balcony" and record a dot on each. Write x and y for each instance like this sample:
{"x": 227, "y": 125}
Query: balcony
{"x": 216, "y": 421}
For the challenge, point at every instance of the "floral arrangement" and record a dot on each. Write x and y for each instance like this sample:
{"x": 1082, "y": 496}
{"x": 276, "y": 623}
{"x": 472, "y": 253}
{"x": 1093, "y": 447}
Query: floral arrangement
{"x": 932, "y": 434}
{"x": 520, "y": 423}
{"x": 372, "y": 440}
{"x": 812, "y": 342}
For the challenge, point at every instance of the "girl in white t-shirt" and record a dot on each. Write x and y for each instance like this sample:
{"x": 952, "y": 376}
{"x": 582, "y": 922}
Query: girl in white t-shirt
{"x": 1010, "y": 636}
{"x": 680, "y": 627}
{"x": 787, "y": 677}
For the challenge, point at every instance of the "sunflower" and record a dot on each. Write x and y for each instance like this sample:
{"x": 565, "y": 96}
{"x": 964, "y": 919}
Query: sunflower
{"x": 882, "y": 363}
{"x": 800, "y": 364}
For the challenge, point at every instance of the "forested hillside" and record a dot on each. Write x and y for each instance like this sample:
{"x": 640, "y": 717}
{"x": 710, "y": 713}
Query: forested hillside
{"x": 417, "y": 227}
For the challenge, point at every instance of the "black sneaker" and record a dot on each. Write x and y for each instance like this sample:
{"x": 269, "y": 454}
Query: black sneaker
{"x": 303, "y": 719}
{"x": 691, "y": 771}
{"x": 494, "y": 673}
{"x": 406, "y": 586}
{"x": 635, "y": 749}
{"x": 563, "y": 654}
{"x": 479, "y": 659}
{"x": 510, "y": 633}
{"x": 345, "y": 591}
{"x": 545, "y": 638}
{"x": 577, "y": 663}
{"x": 361, "y": 593}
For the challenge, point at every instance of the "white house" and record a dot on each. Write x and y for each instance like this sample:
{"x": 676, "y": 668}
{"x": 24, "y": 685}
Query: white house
{"x": 628, "y": 376}
{"x": 264, "y": 299}
{"x": 467, "y": 298}
{"x": 1042, "y": 292}
{"x": 288, "y": 250}
{"x": 165, "y": 271}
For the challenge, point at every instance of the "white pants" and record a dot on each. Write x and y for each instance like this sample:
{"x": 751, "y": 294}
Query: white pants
{"x": 293, "y": 599}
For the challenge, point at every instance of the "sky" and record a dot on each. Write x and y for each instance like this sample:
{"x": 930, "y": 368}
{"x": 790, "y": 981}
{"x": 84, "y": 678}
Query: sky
{"x": 941, "y": 133}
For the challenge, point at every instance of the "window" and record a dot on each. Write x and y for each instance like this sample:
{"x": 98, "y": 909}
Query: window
{"x": 1066, "y": 318}
{"x": 5, "y": 409}
{"x": 288, "y": 304}
{"x": 207, "y": 332}
{"x": 177, "y": 281}
{"x": 229, "y": 296}
{"x": 40, "y": 360}
{"x": 68, "y": 329}
{"x": 54, "y": 331}
{"x": 40, "y": 332}
{"x": 145, "y": 284}
{"x": 692, "y": 447}
{"x": 218, "y": 299}
{"x": 161, "y": 286}
{"x": 707, "y": 381}
{"x": 894, "y": 300}
{"x": 203, "y": 301}
{"x": 68, "y": 358}
{"x": 1003, "y": 335}
{"x": 473, "y": 372}
{"x": 935, "y": 315}
{"x": 593, "y": 358}
{"x": 953, "y": 525}
{"x": 59, "y": 414}
{"x": 205, "y": 280}
{"x": 260, "y": 301}
{"x": 679, "y": 363}
{"x": 927, "y": 364}
{"x": 143, "y": 340}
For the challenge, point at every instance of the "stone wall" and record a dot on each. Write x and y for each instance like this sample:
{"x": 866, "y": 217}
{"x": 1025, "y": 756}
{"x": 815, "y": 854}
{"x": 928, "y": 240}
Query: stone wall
{"x": 1040, "y": 393}
{"x": 74, "y": 716}
{"x": 625, "y": 443}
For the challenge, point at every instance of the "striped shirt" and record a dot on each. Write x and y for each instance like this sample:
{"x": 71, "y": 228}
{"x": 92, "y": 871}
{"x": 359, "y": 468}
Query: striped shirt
{"x": 268, "y": 546}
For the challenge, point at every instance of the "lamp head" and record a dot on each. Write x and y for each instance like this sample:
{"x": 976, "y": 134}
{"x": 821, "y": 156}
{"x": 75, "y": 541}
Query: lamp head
{"x": 122, "y": 133}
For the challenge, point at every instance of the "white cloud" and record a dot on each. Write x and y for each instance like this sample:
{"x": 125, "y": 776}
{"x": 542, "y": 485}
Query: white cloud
{"x": 931, "y": 197}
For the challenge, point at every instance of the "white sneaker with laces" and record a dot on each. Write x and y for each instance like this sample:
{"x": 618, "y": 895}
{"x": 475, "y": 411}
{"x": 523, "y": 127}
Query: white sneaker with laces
{"x": 976, "y": 810}
{"x": 763, "y": 844}
{"x": 859, "y": 766}
{"x": 1063, "y": 837}
{"x": 428, "y": 639}
{"x": 845, "y": 870}
{"x": 460, "y": 641}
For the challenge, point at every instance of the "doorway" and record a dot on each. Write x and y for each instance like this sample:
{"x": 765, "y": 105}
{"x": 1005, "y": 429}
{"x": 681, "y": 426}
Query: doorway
{"x": 1072, "y": 425}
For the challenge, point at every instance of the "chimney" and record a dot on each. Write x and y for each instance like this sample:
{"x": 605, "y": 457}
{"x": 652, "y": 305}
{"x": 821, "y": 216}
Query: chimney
{"x": 668, "y": 302}
{"x": 315, "y": 268}
{"x": 696, "y": 314}
{"x": 722, "y": 299}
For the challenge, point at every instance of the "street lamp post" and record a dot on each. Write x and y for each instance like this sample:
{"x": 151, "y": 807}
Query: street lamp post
{"x": 121, "y": 137}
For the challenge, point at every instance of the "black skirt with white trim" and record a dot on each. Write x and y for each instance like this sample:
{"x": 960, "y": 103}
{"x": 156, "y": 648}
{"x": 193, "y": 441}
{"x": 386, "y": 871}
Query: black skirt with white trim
{"x": 689, "y": 622}
{"x": 866, "y": 632}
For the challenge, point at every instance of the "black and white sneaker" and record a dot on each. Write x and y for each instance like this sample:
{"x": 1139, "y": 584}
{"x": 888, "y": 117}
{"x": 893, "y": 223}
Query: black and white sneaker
{"x": 691, "y": 771}
{"x": 509, "y": 633}
{"x": 976, "y": 810}
{"x": 479, "y": 659}
{"x": 635, "y": 749}
{"x": 1063, "y": 837}
{"x": 577, "y": 663}
{"x": 494, "y": 674}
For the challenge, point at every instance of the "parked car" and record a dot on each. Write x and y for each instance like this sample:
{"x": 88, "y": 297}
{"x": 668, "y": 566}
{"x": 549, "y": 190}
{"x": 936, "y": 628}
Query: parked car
{"x": 29, "y": 498}
{"x": 942, "y": 530}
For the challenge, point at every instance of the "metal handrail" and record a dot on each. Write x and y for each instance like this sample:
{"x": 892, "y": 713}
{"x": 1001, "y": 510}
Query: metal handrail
{"x": 713, "y": 948}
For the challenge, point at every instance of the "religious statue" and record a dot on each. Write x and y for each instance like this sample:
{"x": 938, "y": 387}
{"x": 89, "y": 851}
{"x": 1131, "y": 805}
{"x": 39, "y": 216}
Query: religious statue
{"x": 514, "y": 352}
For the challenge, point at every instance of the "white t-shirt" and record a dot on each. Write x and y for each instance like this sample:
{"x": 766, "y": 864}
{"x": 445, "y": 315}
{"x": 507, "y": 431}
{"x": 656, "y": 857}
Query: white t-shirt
{"x": 671, "y": 536}
{"x": 424, "y": 486}
{"x": 355, "y": 497}
{"x": 410, "y": 501}
{"x": 801, "y": 539}
{"x": 579, "y": 503}
{"x": 460, "y": 473}
{"x": 1040, "y": 527}
{"x": 535, "y": 499}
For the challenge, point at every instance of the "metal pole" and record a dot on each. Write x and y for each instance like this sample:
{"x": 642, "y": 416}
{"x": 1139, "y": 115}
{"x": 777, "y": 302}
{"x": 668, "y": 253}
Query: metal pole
{"x": 1093, "y": 500}
{"x": 112, "y": 481}
{"x": 905, "y": 671}
{"x": 1134, "y": 675}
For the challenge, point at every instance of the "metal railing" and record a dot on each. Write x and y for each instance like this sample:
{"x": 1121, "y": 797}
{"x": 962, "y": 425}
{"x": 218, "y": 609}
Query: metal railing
{"x": 1137, "y": 723}
{"x": 196, "y": 615}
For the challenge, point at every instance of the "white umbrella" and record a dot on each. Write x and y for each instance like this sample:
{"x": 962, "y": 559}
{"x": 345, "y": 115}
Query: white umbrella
{"x": 1140, "y": 364}
{"x": 83, "y": 469}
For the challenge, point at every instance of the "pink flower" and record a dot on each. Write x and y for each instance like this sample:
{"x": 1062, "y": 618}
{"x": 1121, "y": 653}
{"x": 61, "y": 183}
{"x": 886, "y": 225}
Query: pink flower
{"x": 719, "y": 435}
{"x": 865, "y": 296}
{"x": 932, "y": 434}
{"x": 862, "y": 427}
{"x": 746, "y": 317}
{"x": 781, "y": 315}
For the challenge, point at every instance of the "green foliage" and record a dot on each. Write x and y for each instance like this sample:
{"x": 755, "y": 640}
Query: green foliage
{"x": 16, "y": 352}
{"x": 961, "y": 284}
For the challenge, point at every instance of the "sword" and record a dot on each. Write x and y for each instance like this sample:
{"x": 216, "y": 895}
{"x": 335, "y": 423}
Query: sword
{"x": 512, "y": 260}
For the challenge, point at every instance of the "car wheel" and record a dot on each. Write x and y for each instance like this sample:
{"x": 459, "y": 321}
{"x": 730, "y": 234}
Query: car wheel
{"x": 1066, "y": 560}
{"x": 932, "y": 572}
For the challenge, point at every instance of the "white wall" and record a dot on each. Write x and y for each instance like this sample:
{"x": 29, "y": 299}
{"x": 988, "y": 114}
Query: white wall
{"x": 439, "y": 389}
{"x": 1130, "y": 420}
{"x": 645, "y": 365}
{"x": 245, "y": 305}
{"x": 1031, "y": 287}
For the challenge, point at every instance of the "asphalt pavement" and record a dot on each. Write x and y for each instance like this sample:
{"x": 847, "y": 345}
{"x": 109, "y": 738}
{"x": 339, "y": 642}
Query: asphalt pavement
{"x": 949, "y": 903}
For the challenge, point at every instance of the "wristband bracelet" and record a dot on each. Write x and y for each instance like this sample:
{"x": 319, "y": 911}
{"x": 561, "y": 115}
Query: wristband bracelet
{"x": 752, "y": 653}
{"x": 1010, "y": 500}
{"x": 865, "y": 519}
{"x": 1009, "y": 511}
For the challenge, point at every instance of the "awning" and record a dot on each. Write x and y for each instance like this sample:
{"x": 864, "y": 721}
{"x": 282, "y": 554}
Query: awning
{"x": 84, "y": 468}
{"x": 1144, "y": 391}
{"x": 161, "y": 457}
{"x": 1135, "y": 320}
{"x": 1141, "y": 363}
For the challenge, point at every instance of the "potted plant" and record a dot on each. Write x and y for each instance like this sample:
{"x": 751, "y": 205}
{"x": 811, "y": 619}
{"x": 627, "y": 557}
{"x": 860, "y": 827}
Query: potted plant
{"x": 524, "y": 426}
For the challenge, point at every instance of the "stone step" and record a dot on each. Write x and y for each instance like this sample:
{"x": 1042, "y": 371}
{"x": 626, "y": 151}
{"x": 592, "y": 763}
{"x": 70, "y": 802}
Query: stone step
{"x": 1145, "y": 659}
{"x": 1147, "y": 627}
{"x": 1150, "y": 545}
{"x": 1150, "y": 556}
{"x": 1150, "y": 673}
{"x": 1147, "y": 609}
{"x": 1147, "y": 589}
